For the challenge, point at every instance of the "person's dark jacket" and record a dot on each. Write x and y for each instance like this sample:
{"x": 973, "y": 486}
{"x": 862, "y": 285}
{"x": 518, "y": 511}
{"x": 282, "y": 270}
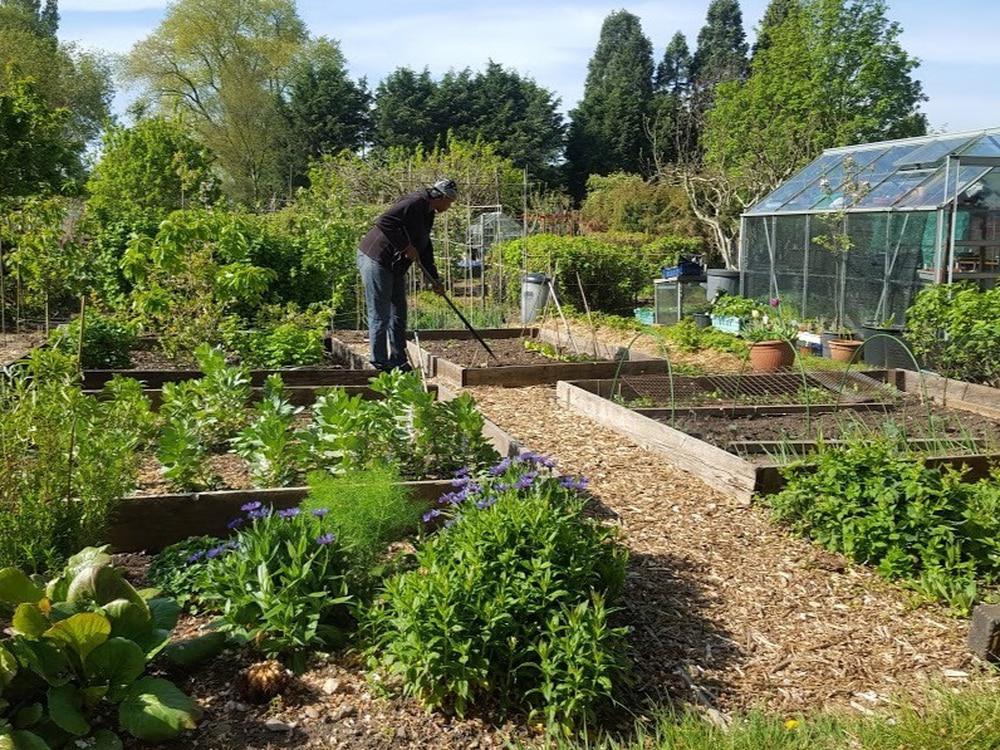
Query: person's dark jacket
{"x": 406, "y": 222}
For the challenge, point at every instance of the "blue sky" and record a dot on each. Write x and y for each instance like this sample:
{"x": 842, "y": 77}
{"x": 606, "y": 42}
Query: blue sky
{"x": 552, "y": 41}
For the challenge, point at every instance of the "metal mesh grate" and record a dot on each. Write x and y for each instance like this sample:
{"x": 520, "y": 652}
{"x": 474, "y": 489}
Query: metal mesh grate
{"x": 640, "y": 391}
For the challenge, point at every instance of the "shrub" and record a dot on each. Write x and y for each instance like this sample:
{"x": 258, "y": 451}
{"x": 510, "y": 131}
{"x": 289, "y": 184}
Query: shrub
{"x": 80, "y": 647}
{"x": 509, "y": 602}
{"x": 180, "y": 570}
{"x": 107, "y": 342}
{"x": 734, "y": 306}
{"x": 67, "y": 459}
{"x": 880, "y": 506}
{"x": 623, "y": 202}
{"x": 956, "y": 329}
{"x": 285, "y": 583}
{"x": 283, "y": 337}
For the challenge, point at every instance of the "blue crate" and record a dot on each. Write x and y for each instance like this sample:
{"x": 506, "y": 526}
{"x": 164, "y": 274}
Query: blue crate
{"x": 726, "y": 323}
{"x": 644, "y": 315}
{"x": 684, "y": 268}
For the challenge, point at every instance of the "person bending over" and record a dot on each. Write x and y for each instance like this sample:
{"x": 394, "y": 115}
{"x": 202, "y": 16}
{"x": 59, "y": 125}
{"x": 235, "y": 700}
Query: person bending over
{"x": 399, "y": 237}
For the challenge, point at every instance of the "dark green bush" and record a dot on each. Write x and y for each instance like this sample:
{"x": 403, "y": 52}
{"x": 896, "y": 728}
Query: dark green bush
{"x": 107, "y": 342}
{"x": 880, "y": 506}
{"x": 956, "y": 329}
{"x": 509, "y": 603}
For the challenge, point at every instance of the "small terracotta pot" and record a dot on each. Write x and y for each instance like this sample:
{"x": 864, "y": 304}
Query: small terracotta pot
{"x": 842, "y": 350}
{"x": 771, "y": 356}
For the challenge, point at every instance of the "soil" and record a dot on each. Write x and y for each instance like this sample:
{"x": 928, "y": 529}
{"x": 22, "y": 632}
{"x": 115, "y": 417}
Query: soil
{"x": 13, "y": 346}
{"x": 470, "y": 353}
{"x": 231, "y": 471}
{"x": 910, "y": 418}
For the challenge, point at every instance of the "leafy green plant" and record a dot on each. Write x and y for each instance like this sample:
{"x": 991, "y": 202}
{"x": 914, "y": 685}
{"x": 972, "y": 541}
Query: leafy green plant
{"x": 79, "y": 647}
{"x": 180, "y": 570}
{"x": 107, "y": 342}
{"x": 773, "y": 324}
{"x": 956, "y": 329}
{"x": 551, "y": 352}
{"x": 880, "y": 506}
{"x": 367, "y": 510}
{"x": 285, "y": 584}
{"x": 65, "y": 459}
{"x": 268, "y": 443}
{"x": 734, "y": 306}
{"x": 282, "y": 337}
{"x": 509, "y": 601}
{"x": 407, "y": 428}
{"x": 183, "y": 456}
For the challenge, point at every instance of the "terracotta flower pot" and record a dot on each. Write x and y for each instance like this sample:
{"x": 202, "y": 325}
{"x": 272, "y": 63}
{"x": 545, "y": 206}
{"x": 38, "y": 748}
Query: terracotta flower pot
{"x": 842, "y": 350}
{"x": 771, "y": 356}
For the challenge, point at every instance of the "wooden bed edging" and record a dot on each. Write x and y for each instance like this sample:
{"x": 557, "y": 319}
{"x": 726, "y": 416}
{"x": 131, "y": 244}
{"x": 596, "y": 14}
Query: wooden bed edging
{"x": 979, "y": 399}
{"x": 523, "y": 375}
{"x": 723, "y": 471}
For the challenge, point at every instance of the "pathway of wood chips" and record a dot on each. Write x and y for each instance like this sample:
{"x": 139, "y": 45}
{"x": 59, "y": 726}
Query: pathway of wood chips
{"x": 728, "y": 611}
{"x": 13, "y": 346}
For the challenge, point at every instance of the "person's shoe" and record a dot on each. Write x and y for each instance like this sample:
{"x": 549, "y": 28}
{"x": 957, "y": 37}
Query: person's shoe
{"x": 405, "y": 367}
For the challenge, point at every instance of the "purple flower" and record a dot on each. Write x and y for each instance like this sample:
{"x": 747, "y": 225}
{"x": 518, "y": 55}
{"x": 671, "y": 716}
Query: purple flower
{"x": 195, "y": 557}
{"x": 500, "y": 468}
{"x": 324, "y": 539}
{"x": 460, "y": 481}
{"x": 431, "y": 514}
{"x": 774, "y": 302}
{"x": 214, "y": 552}
{"x": 259, "y": 513}
{"x": 232, "y": 545}
{"x": 525, "y": 480}
{"x": 288, "y": 513}
{"x": 320, "y": 512}
{"x": 573, "y": 483}
{"x": 536, "y": 458}
{"x": 450, "y": 522}
{"x": 454, "y": 498}
{"x": 501, "y": 487}
{"x": 486, "y": 502}
{"x": 235, "y": 523}
{"x": 463, "y": 472}
{"x": 250, "y": 507}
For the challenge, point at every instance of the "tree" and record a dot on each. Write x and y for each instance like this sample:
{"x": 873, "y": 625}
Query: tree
{"x": 497, "y": 105}
{"x": 608, "y": 128}
{"x": 721, "y": 54}
{"x": 832, "y": 73}
{"x": 774, "y": 15}
{"x": 326, "y": 112}
{"x": 670, "y": 128}
{"x": 63, "y": 77}
{"x": 35, "y": 155}
{"x": 225, "y": 66}
{"x": 403, "y": 113}
{"x": 150, "y": 169}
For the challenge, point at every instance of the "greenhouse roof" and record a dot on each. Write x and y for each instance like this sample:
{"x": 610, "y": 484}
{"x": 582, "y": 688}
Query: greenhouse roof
{"x": 908, "y": 174}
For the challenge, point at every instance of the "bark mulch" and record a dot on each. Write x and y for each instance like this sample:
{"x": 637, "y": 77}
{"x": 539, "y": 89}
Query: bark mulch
{"x": 727, "y": 610}
{"x": 13, "y": 346}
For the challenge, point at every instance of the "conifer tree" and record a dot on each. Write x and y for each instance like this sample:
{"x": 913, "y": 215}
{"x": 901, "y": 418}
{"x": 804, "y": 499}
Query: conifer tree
{"x": 608, "y": 132}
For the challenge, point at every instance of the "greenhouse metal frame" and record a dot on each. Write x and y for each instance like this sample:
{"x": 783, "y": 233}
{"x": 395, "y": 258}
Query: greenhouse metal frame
{"x": 916, "y": 211}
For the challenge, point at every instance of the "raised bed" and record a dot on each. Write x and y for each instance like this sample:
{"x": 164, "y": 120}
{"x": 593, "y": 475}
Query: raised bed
{"x": 516, "y": 367}
{"x": 722, "y": 445}
{"x": 981, "y": 399}
{"x": 151, "y": 522}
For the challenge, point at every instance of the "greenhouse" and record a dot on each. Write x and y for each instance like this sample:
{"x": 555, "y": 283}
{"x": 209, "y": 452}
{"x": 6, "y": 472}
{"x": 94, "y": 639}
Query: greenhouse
{"x": 858, "y": 232}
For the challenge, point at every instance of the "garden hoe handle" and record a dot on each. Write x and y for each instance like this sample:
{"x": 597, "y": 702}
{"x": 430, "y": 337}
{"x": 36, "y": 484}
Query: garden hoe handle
{"x": 458, "y": 312}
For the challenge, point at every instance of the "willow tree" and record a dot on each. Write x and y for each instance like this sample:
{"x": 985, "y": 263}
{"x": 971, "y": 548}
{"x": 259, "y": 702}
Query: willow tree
{"x": 225, "y": 66}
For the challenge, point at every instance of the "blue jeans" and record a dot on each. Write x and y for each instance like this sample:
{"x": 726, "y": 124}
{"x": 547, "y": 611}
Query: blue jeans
{"x": 385, "y": 297}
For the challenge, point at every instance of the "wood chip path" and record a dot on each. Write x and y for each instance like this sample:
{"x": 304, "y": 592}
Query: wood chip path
{"x": 728, "y": 610}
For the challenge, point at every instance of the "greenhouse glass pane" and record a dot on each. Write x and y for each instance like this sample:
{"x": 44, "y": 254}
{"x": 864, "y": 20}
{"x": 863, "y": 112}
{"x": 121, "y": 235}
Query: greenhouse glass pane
{"x": 788, "y": 189}
{"x": 934, "y": 151}
{"x": 834, "y": 178}
{"x": 872, "y": 172}
{"x": 933, "y": 193}
{"x": 894, "y": 187}
{"x": 987, "y": 145}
